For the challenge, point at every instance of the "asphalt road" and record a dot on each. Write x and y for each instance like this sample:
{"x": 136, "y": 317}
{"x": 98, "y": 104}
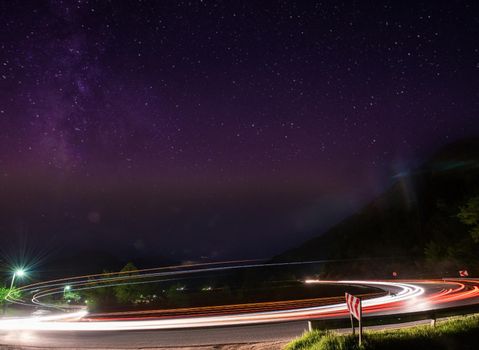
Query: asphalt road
{"x": 214, "y": 336}
{"x": 270, "y": 325}
{"x": 157, "y": 338}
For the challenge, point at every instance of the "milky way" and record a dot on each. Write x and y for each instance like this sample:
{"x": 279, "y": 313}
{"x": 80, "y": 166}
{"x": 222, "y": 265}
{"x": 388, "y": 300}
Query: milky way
{"x": 335, "y": 98}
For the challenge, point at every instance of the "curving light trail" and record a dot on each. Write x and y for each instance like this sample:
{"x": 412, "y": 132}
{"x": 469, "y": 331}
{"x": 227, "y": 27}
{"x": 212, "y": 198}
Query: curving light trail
{"x": 65, "y": 322}
{"x": 398, "y": 297}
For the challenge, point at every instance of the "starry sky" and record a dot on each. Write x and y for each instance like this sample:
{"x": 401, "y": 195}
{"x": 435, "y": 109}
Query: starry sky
{"x": 221, "y": 129}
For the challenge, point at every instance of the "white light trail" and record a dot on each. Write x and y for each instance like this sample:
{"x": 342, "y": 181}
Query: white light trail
{"x": 72, "y": 321}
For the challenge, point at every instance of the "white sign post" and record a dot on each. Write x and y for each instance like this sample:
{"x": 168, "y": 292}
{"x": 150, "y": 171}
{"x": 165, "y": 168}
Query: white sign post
{"x": 355, "y": 308}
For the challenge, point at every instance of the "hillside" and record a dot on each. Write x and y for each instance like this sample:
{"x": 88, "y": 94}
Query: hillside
{"x": 414, "y": 220}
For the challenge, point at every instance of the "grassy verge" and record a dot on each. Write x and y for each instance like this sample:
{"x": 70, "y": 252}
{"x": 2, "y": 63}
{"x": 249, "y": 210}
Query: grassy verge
{"x": 455, "y": 333}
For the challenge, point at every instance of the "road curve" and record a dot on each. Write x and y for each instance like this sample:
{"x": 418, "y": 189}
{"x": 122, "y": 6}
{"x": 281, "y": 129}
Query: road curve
{"x": 258, "y": 323}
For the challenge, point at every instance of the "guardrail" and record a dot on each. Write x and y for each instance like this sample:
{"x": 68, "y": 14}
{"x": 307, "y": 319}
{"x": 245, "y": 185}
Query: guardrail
{"x": 378, "y": 320}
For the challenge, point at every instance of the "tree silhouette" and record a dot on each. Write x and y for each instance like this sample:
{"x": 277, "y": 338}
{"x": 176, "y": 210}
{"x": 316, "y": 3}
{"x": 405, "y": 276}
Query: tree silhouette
{"x": 469, "y": 215}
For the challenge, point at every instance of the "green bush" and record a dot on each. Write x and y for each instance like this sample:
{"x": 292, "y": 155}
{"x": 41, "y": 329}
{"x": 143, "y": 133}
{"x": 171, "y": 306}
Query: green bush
{"x": 457, "y": 333}
{"x": 14, "y": 293}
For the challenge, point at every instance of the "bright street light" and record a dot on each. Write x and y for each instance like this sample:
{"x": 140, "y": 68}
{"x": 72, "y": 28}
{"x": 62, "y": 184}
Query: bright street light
{"x": 66, "y": 289}
{"x": 20, "y": 272}
{"x": 17, "y": 273}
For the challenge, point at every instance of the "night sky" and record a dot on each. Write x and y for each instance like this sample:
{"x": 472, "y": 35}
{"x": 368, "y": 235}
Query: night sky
{"x": 235, "y": 129}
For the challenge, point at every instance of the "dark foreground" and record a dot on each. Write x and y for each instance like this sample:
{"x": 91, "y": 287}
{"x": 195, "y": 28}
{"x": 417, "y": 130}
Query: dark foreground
{"x": 156, "y": 338}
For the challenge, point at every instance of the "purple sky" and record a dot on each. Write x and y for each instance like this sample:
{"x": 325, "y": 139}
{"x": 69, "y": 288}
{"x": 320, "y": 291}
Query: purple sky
{"x": 257, "y": 122}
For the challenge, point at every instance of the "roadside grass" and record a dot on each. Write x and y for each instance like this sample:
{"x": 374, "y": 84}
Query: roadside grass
{"x": 455, "y": 333}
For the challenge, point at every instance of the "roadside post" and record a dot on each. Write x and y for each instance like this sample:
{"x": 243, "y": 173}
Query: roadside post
{"x": 360, "y": 321}
{"x": 355, "y": 308}
{"x": 352, "y": 323}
